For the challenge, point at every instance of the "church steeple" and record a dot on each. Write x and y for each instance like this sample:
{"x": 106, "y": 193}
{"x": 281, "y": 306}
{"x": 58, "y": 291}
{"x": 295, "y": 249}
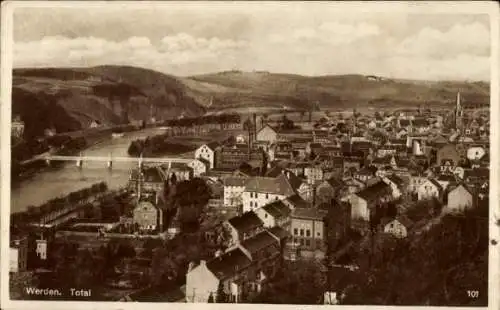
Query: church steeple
{"x": 458, "y": 112}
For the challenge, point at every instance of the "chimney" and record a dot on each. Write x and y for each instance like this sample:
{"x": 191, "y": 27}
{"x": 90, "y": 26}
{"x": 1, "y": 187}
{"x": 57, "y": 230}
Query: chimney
{"x": 191, "y": 266}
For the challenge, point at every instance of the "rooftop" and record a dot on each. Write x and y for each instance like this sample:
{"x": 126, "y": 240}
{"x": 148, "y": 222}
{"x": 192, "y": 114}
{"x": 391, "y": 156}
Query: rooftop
{"x": 229, "y": 263}
{"x": 259, "y": 242}
{"x": 246, "y": 221}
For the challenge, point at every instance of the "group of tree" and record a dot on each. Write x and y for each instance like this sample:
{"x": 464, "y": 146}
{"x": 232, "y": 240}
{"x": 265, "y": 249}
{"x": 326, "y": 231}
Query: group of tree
{"x": 289, "y": 285}
{"x": 191, "y": 198}
{"x": 436, "y": 267}
{"x": 77, "y": 197}
{"x": 156, "y": 145}
{"x": 221, "y": 119}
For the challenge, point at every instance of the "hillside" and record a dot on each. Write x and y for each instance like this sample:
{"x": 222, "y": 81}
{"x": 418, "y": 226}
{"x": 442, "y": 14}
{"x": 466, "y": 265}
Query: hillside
{"x": 70, "y": 98}
{"x": 233, "y": 89}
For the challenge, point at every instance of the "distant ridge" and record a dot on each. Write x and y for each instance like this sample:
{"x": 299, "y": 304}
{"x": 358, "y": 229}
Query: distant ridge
{"x": 69, "y": 98}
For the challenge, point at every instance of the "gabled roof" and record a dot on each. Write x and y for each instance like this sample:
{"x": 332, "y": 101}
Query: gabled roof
{"x": 277, "y": 209}
{"x": 436, "y": 184}
{"x": 245, "y": 222}
{"x": 309, "y": 213}
{"x": 446, "y": 178}
{"x": 298, "y": 202}
{"x": 213, "y": 145}
{"x": 235, "y": 181}
{"x": 278, "y": 186}
{"x": 259, "y": 242}
{"x": 278, "y": 232}
{"x": 374, "y": 191}
{"x": 228, "y": 264}
{"x": 396, "y": 180}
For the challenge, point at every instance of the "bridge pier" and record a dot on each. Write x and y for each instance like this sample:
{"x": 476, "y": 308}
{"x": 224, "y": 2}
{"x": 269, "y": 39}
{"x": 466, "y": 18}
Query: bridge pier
{"x": 79, "y": 163}
{"x": 110, "y": 164}
{"x": 47, "y": 162}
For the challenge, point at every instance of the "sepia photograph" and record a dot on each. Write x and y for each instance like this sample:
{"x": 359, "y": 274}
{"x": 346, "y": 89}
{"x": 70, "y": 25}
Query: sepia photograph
{"x": 293, "y": 153}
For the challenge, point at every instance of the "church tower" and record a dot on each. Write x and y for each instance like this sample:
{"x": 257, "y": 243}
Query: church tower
{"x": 459, "y": 113}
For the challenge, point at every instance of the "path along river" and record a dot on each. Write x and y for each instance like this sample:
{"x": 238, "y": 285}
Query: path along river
{"x": 60, "y": 181}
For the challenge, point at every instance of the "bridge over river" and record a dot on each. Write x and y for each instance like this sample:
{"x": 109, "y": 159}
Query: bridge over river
{"x": 56, "y": 182}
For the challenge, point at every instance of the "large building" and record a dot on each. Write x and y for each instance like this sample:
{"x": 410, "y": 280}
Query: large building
{"x": 232, "y": 157}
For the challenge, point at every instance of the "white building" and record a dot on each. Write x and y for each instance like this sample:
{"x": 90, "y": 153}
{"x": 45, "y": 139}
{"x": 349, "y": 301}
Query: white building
{"x": 429, "y": 189}
{"x": 198, "y": 166}
{"x": 260, "y": 191}
{"x": 233, "y": 190}
{"x": 459, "y": 199}
{"x": 207, "y": 152}
{"x": 475, "y": 153}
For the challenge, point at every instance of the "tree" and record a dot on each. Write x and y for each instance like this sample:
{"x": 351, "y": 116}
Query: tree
{"x": 221, "y": 296}
{"x": 163, "y": 268}
{"x": 191, "y": 197}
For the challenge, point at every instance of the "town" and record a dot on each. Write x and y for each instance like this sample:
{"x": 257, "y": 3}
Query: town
{"x": 292, "y": 208}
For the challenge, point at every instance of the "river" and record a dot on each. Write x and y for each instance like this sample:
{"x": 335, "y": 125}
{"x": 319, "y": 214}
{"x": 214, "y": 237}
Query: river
{"x": 57, "y": 182}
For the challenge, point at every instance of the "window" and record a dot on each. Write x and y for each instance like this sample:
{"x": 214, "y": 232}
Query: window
{"x": 276, "y": 198}
{"x": 308, "y": 242}
{"x": 301, "y": 232}
{"x": 267, "y": 196}
{"x": 295, "y": 231}
{"x": 318, "y": 234}
{"x": 308, "y": 233}
{"x": 251, "y": 203}
{"x": 251, "y": 195}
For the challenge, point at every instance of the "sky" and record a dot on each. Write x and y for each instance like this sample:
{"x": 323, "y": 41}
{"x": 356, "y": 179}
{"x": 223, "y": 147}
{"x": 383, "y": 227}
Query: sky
{"x": 301, "y": 38}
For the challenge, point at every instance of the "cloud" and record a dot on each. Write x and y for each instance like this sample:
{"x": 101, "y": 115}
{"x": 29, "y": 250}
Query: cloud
{"x": 472, "y": 38}
{"x": 171, "y": 50}
{"x": 458, "y": 51}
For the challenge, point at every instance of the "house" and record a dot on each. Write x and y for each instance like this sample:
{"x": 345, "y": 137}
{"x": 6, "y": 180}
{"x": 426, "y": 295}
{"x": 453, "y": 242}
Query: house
{"x": 233, "y": 189}
{"x": 365, "y": 173}
{"x": 296, "y": 201}
{"x": 364, "y": 201}
{"x": 276, "y": 213}
{"x": 147, "y": 216}
{"x": 183, "y": 172}
{"x": 476, "y": 175}
{"x": 397, "y": 185}
{"x": 475, "y": 152}
{"x": 18, "y": 254}
{"x": 202, "y": 280}
{"x": 95, "y": 124}
{"x": 147, "y": 179}
{"x": 199, "y": 166}
{"x": 242, "y": 227}
{"x": 445, "y": 180}
{"x": 430, "y": 188}
{"x": 17, "y": 127}
{"x": 267, "y": 133}
{"x": 313, "y": 173}
{"x": 308, "y": 229}
{"x": 260, "y": 191}
{"x": 328, "y": 189}
{"x": 398, "y": 226}
{"x": 207, "y": 152}
{"x": 459, "y": 199}
{"x": 232, "y": 157}
{"x": 448, "y": 153}
{"x": 420, "y": 125}
{"x": 386, "y": 150}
